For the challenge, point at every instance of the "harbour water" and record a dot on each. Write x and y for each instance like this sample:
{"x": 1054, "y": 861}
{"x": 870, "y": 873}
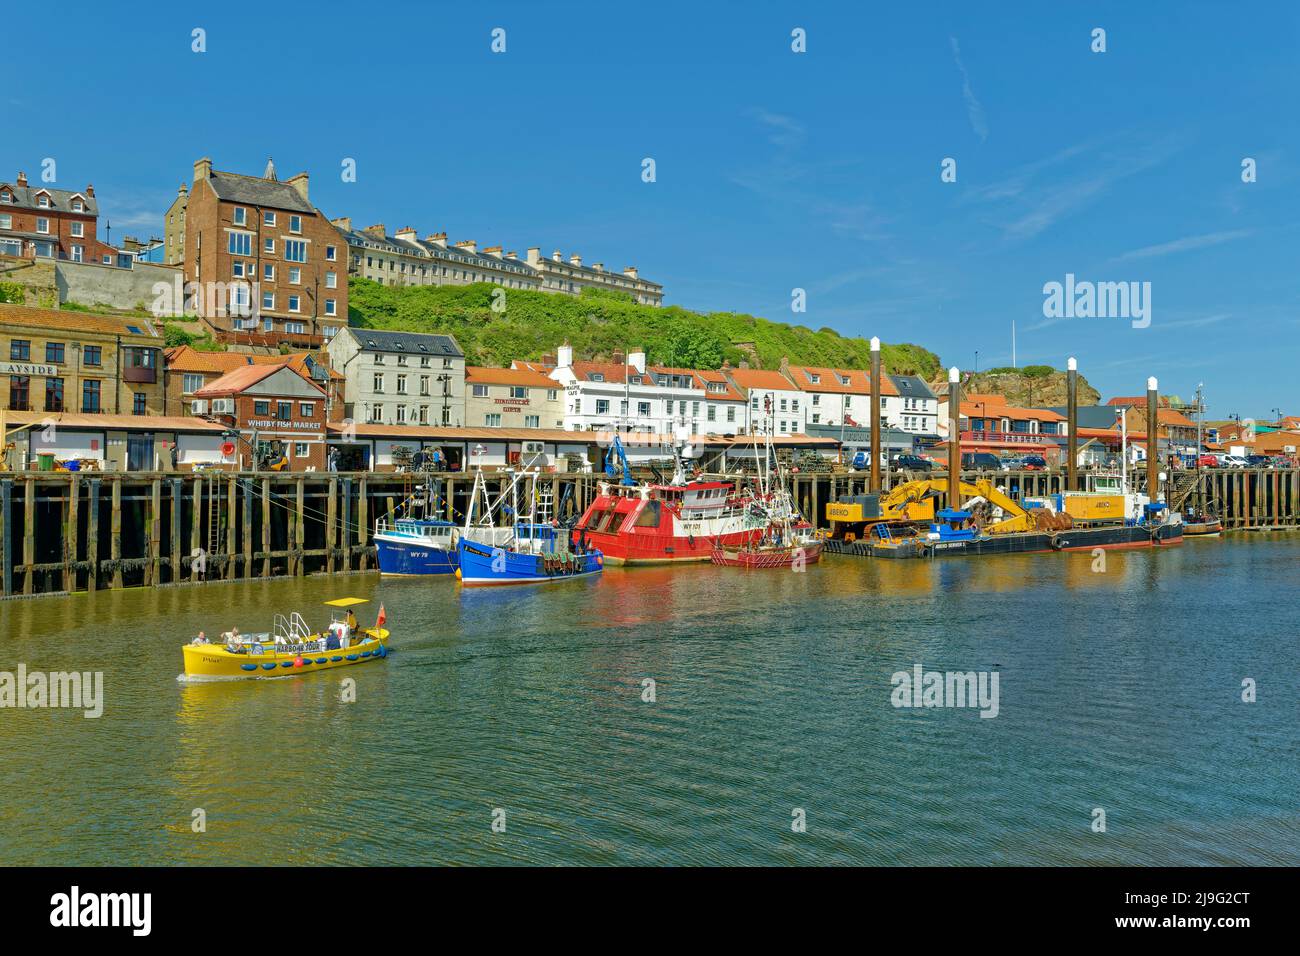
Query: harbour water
{"x": 1119, "y": 689}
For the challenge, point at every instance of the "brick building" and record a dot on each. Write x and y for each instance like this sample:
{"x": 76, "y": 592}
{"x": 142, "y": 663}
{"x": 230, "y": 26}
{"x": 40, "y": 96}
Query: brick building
{"x": 62, "y": 361}
{"x": 188, "y": 370}
{"x": 37, "y": 221}
{"x": 269, "y": 267}
{"x": 279, "y": 415}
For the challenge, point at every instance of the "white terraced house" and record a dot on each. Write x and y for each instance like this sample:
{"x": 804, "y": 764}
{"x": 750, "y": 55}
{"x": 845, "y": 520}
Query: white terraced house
{"x": 631, "y": 396}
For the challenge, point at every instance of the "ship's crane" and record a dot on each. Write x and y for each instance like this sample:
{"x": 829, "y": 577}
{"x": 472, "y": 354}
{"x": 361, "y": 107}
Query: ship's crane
{"x": 612, "y": 463}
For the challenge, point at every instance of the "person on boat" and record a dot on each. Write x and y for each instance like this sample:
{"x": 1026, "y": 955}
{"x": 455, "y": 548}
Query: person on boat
{"x": 351, "y": 622}
{"x": 201, "y": 639}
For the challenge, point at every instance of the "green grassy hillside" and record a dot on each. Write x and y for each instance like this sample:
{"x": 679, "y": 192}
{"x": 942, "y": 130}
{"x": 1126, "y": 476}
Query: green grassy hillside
{"x": 597, "y": 324}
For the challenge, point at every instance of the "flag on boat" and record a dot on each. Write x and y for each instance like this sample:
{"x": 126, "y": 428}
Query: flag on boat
{"x": 383, "y": 617}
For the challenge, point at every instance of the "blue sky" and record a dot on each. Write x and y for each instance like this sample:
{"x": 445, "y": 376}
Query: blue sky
{"x": 775, "y": 170}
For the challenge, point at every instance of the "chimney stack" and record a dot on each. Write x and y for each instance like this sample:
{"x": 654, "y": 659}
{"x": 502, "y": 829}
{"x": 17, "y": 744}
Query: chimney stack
{"x": 438, "y": 239}
{"x": 90, "y": 191}
{"x": 575, "y": 259}
{"x": 22, "y": 179}
{"x": 493, "y": 251}
{"x": 299, "y": 183}
{"x": 377, "y": 230}
{"x": 630, "y": 272}
{"x": 564, "y": 356}
{"x": 512, "y": 256}
{"x": 343, "y": 222}
{"x": 203, "y": 168}
{"x": 617, "y": 357}
{"x": 406, "y": 232}
{"x": 598, "y": 266}
{"x": 469, "y": 245}
{"x": 557, "y": 256}
{"x": 637, "y": 360}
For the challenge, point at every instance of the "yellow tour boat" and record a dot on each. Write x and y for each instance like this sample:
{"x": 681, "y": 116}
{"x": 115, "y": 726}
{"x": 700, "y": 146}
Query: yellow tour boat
{"x": 290, "y": 647}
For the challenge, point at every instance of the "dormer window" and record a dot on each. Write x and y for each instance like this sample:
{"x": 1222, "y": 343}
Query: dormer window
{"x": 43, "y": 201}
{"x": 6, "y": 196}
{"x": 597, "y": 376}
{"x": 78, "y": 205}
{"x": 844, "y": 380}
{"x": 813, "y": 377}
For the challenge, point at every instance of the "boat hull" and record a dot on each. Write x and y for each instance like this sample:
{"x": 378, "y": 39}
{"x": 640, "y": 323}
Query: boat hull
{"x": 213, "y": 661}
{"x": 482, "y": 565}
{"x": 767, "y": 557}
{"x": 1203, "y": 529}
{"x": 399, "y": 557}
{"x": 1076, "y": 539}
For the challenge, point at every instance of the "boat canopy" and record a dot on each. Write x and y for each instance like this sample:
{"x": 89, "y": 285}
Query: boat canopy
{"x": 347, "y": 602}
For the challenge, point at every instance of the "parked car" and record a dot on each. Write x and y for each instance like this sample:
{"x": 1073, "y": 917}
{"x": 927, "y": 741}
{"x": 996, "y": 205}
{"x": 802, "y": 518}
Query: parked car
{"x": 1208, "y": 461}
{"x": 981, "y": 461}
{"x": 1027, "y": 463}
{"x": 912, "y": 463}
{"x": 862, "y": 461}
{"x": 1259, "y": 461}
{"x": 1232, "y": 461}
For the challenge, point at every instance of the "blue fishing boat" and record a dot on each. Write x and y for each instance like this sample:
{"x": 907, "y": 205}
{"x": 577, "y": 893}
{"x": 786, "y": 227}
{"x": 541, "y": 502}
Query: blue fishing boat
{"x": 416, "y": 546}
{"x": 411, "y": 540}
{"x": 532, "y": 551}
{"x": 539, "y": 554}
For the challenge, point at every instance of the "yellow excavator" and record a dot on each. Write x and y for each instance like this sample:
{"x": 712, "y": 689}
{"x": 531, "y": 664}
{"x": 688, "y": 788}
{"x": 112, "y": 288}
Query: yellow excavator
{"x": 853, "y": 518}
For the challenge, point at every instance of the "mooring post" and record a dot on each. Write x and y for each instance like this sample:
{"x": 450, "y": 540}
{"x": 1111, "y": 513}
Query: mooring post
{"x": 7, "y": 533}
{"x": 115, "y": 535}
{"x": 876, "y": 392}
{"x": 70, "y": 534}
{"x": 954, "y": 438}
{"x": 1072, "y": 424}
{"x": 346, "y": 543}
{"x": 92, "y": 535}
{"x": 1153, "y": 441}
{"x": 331, "y": 522}
{"x": 230, "y": 528}
{"x": 29, "y": 535}
{"x": 195, "y": 524}
{"x": 363, "y": 523}
{"x": 298, "y": 545}
{"x": 155, "y": 532}
{"x": 246, "y": 533}
{"x": 266, "y": 527}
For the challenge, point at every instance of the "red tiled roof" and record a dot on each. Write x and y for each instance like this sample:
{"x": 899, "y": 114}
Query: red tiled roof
{"x": 859, "y": 381}
{"x": 748, "y": 378}
{"x": 730, "y": 393}
{"x": 482, "y": 375}
{"x": 241, "y": 379}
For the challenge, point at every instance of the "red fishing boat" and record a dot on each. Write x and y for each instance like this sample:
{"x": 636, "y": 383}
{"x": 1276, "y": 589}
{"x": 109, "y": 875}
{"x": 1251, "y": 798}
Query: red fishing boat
{"x": 660, "y": 524}
{"x": 671, "y": 522}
